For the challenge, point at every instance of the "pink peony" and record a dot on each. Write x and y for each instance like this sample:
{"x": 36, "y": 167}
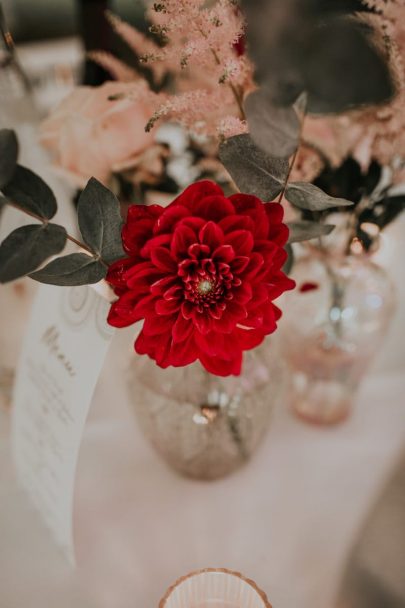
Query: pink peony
{"x": 92, "y": 135}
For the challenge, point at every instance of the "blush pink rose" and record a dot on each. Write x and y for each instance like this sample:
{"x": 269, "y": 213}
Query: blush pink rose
{"x": 91, "y": 135}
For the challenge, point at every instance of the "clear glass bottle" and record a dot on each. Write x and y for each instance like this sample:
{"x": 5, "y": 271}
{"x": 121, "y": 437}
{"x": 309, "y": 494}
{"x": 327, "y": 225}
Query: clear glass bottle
{"x": 334, "y": 323}
{"x": 202, "y": 425}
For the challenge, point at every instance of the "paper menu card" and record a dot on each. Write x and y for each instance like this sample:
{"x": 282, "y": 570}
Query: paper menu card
{"x": 63, "y": 352}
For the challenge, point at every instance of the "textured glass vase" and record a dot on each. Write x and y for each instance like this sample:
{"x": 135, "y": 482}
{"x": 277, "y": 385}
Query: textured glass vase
{"x": 202, "y": 425}
{"x": 334, "y": 323}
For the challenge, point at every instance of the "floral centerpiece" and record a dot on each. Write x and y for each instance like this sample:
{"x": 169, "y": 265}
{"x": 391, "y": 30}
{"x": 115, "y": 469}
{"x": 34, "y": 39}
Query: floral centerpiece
{"x": 203, "y": 272}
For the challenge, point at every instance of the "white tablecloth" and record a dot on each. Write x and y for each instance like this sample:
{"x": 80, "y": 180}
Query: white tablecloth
{"x": 288, "y": 519}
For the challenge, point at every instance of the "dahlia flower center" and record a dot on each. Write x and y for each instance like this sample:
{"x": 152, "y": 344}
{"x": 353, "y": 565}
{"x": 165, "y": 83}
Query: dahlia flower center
{"x": 205, "y": 286}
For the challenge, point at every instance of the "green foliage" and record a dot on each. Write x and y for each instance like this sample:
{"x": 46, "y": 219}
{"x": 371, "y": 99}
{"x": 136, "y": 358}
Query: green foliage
{"x": 28, "y": 247}
{"x": 304, "y": 195}
{"x": 305, "y": 231}
{"x": 73, "y": 269}
{"x": 275, "y": 129}
{"x": 31, "y": 193}
{"x": 8, "y": 155}
{"x": 253, "y": 171}
{"x": 100, "y": 221}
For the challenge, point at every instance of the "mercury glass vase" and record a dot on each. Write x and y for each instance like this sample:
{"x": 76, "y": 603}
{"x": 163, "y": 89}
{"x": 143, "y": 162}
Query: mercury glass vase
{"x": 206, "y": 426}
{"x": 333, "y": 326}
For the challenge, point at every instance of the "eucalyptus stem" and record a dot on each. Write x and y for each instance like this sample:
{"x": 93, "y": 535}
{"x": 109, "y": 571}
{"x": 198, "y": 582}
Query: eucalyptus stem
{"x": 294, "y": 158}
{"x": 45, "y": 222}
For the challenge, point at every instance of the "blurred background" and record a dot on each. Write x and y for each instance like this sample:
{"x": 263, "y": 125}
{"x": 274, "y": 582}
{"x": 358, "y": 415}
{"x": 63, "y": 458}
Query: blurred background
{"x": 52, "y": 39}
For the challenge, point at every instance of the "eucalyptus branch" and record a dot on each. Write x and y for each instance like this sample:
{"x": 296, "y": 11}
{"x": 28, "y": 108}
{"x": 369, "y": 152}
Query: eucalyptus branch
{"x": 46, "y": 222}
{"x": 295, "y": 155}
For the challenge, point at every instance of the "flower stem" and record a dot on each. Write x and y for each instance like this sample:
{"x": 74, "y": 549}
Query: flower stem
{"x": 45, "y": 222}
{"x": 233, "y": 88}
{"x": 294, "y": 158}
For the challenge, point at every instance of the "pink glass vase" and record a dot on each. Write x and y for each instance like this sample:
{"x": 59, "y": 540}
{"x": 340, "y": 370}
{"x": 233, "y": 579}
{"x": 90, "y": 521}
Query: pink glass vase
{"x": 333, "y": 326}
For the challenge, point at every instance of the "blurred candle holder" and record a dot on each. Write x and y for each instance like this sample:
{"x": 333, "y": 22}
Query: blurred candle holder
{"x": 334, "y": 324}
{"x": 214, "y": 588}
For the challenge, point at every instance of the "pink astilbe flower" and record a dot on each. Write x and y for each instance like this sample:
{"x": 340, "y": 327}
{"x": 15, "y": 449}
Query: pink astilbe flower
{"x": 198, "y": 50}
{"x": 230, "y": 126}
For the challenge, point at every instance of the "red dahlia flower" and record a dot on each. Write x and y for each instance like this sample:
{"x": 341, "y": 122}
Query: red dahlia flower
{"x": 202, "y": 273}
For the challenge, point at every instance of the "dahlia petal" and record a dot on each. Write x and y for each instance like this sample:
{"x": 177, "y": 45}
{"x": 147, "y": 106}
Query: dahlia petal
{"x": 274, "y": 212}
{"x": 155, "y": 325}
{"x": 254, "y": 320}
{"x": 256, "y": 262}
{"x": 167, "y": 307}
{"x": 144, "y": 306}
{"x": 198, "y": 251}
{"x": 183, "y": 238}
{"x": 142, "y": 276}
{"x": 249, "y": 338}
{"x": 279, "y": 234}
{"x": 195, "y": 223}
{"x": 239, "y": 264}
{"x": 163, "y": 240}
{"x": 134, "y": 236}
{"x": 221, "y": 367}
{"x": 277, "y": 312}
{"x": 173, "y": 293}
{"x": 211, "y": 235}
{"x": 241, "y": 241}
{"x": 182, "y": 328}
{"x": 196, "y": 192}
{"x": 162, "y": 259}
{"x": 254, "y": 208}
{"x": 269, "y": 320}
{"x": 169, "y": 218}
{"x": 224, "y": 325}
{"x": 187, "y": 310}
{"x": 224, "y": 253}
{"x": 242, "y": 294}
{"x": 157, "y": 347}
{"x": 121, "y": 314}
{"x": 183, "y": 353}
{"x": 127, "y": 309}
{"x": 236, "y": 222}
{"x": 235, "y": 311}
{"x": 138, "y": 212}
{"x": 213, "y": 208}
{"x": 203, "y": 321}
{"x": 216, "y": 311}
{"x": 159, "y": 287}
{"x": 116, "y": 272}
{"x": 260, "y": 295}
{"x": 243, "y": 202}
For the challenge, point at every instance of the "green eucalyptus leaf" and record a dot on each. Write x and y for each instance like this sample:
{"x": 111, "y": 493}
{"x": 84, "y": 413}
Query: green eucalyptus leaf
{"x": 253, "y": 171}
{"x": 8, "y": 155}
{"x": 28, "y": 247}
{"x": 100, "y": 221}
{"x": 304, "y": 195}
{"x": 72, "y": 269}
{"x": 305, "y": 231}
{"x": 274, "y": 129}
{"x": 31, "y": 193}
